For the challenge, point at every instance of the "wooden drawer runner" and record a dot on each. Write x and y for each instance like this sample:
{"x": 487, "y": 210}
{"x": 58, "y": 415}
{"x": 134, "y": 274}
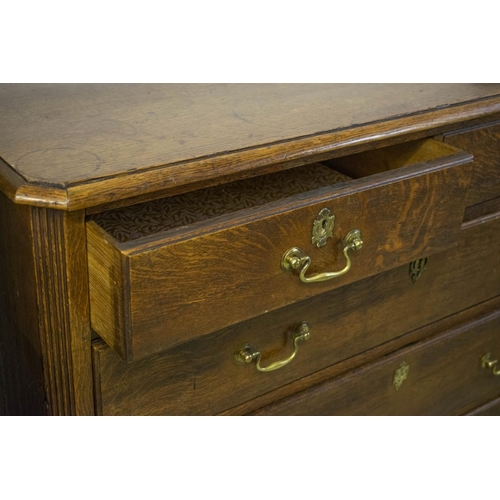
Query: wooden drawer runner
{"x": 441, "y": 376}
{"x": 151, "y": 293}
{"x": 484, "y": 144}
{"x": 200, "y": 377}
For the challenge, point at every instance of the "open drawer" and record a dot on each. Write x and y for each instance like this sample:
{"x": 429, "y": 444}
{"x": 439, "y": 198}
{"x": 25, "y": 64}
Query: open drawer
{"x": 172, "y": 270}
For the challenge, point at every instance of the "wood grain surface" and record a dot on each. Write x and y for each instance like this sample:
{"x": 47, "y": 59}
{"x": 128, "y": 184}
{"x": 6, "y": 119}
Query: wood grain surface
{"x": 153, "y": 217}
{"x": 61, "y": 280}
{"x": 199, "y": 377}
{"x": 78, "y": 146}
{"x": 22, "y": 381}
{"x": 484, "y": 144}
{"x": 203, "y": 277}
{"x": 89, "y": 148}
{"x": 109, "y": 288}
{"x": 367, "y": 357}
{"x": 45, "y": 365}
{"x": 490, "y": 409}
{"x": 445, "y": 377}
{"x": 483, "y": 211}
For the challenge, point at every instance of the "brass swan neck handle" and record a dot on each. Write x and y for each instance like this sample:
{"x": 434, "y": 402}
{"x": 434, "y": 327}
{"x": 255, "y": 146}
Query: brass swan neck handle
{"x": 294, "y": 259}
{"x": 249, "y": 353}
{"x": 492, "y": 364}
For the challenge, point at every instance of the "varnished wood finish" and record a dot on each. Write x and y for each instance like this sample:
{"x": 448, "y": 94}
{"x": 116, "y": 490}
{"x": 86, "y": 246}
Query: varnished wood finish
{"x": 445, "y": 378}
{"x": 119, "y": 191}
{"x": 79, "y": 146}
{"x": 72, "y": 133}
{"x": 203, "y": 277}
{"x": 109, "y": 286}
{"x": 390, "y": 158}
{"x": 10, "y": 181}
{"x": 22, "y": 385}
{"x": 484, "y": 144}
{"x": 370, "y": 356}
{"x": 192, "y": 377}
{"x": 490, "y": 409}
{"x": 62, "y": 292}
{"x": 483, "y": 211}
{"x": 182, "y": 300}
{"x": 154, "y": 217}
{"x": 45, "y": 332}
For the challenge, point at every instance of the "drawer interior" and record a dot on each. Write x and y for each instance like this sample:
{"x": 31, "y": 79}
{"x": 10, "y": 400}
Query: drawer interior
{"x": 134, "y": 222}
{"x": 392, "y": 157}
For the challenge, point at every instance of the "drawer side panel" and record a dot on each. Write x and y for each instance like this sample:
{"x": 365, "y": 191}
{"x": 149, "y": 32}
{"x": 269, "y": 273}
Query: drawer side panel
{"x": 108, "y": 283}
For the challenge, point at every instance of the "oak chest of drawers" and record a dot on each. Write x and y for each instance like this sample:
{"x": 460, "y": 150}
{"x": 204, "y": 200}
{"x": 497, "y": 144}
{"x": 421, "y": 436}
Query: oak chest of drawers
{"x": 250, "y": 249}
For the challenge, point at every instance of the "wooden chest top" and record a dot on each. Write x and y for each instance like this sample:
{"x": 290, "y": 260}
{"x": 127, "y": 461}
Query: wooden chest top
{"x": 72, "y": 146}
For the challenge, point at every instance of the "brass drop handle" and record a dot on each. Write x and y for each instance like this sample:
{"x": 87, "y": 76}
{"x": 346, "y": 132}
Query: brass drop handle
{"x": 492, "y": 364}
{"x": 294, "y": 259}
{"x": 248, "y": 353}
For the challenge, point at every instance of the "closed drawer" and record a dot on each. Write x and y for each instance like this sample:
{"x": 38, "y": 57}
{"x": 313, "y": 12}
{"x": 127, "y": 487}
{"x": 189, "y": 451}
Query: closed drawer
{"x": 200, "y": 376}
{"x": 445, "y": 375}
{"x": 170, "y": 286}
{"x": 490, "y": 409}
{"x": 484, "y": 144}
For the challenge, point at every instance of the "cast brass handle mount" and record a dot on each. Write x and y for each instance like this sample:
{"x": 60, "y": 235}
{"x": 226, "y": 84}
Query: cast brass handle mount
{"x": 492, "y": 364}
{"x": 294, "y": 259}
{"x": 249, "y": 353}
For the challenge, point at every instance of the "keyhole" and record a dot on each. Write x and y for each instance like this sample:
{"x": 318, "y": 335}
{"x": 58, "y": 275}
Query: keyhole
{"x": 324, "y": 226}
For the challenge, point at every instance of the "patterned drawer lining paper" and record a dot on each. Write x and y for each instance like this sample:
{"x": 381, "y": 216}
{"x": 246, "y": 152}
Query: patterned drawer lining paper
{"x": 131, "y": 223}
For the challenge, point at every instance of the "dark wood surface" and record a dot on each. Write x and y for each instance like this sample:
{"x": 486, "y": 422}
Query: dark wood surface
{"x": 203, "y": 277}
{"x": 44, "y": 328}
{"x": 78, "y": 146}
{"x": 490, "y": 409}
{"x": 22, "y": 384}
{"x": 157, "y": 216}
{"x": 61, "y": 281}
{"x": 483, "y": 211}
{"x": 193, "y": 378}
{"x": 366, "y": 357}
{"x": 445, "y": 378}
{"x": 484, "y": 144}
{"x": 91, "y": 148}
{"x": 71, "y": 133}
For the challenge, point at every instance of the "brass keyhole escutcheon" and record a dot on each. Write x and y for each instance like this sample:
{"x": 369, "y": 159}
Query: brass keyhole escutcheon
{"x": 400, "y": 375}
{"x": 322, "y": 228}
{"x": 417, "y": 267}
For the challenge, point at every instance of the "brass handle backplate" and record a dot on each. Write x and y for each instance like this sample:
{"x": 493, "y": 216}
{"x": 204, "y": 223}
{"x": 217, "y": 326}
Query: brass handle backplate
{"x": 294, "y": 259}
{"x": 492, "y": 364}
{"x": 249, "y": 353}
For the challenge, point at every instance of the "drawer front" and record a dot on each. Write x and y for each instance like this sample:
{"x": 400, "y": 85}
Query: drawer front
{"x": 200, "y": 377}
{"x": 484, "y": 144}
{"x": 490, "y": 409}
{"x": 150, "y": 294}
{"x": 442, "y": 376}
